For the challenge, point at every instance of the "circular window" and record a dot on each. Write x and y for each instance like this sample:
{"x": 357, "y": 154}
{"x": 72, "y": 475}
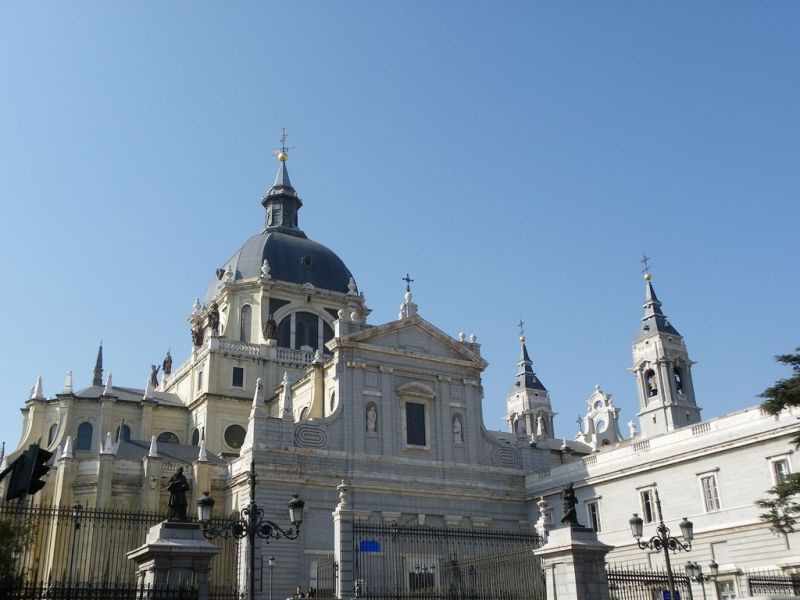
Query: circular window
{"x": 234, "y": 436}
{"x": 600, "y": 425}
{"x": 167, "y": 438}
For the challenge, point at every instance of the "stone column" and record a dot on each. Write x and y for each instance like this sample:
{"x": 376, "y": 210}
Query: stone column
{"x": 574, "y": 564}
{"x": 343, "y": 517}
{"x": 174, "y": 554}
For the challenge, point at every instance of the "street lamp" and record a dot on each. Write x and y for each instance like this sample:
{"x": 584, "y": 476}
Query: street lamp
{"x": 695, "y": 573}
{"x": 251, "y": 524}
{"x": 663, "y": 540}
{"x": 271, "y": 564}
{"x": 77, "y": 509}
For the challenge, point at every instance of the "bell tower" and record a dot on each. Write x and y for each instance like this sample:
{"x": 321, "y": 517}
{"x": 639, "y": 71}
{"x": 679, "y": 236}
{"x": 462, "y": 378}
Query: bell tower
{"x": 663, "y": 371}
{"x": 528, "y": 403}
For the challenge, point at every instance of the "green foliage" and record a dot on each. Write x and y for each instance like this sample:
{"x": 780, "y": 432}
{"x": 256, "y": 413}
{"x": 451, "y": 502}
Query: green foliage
{"x": 12, "y": 539}
{"x": 782, "y": 509}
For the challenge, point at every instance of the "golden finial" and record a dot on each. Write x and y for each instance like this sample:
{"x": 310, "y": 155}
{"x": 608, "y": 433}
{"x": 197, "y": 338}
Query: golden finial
{"x": 645, "y": 261}
{"x": 283, "y": 152}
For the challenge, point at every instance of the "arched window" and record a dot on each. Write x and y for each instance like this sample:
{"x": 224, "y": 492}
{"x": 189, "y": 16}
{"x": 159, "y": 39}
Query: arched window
{"x": 304, "y": 413}
{"x": 245, "y": 319}
{"x": 650, "y": 382}
{"x": 51, "y": 435}
{"x": 84, "y": 438}
{"x": 124, "y": 433}
{"x": 167, "y": 437}
{"x": 333, "y": 402}
{"x": 196, "y": 437}
{"x": 301, "y": 329}
{"x": 678, "y": 380}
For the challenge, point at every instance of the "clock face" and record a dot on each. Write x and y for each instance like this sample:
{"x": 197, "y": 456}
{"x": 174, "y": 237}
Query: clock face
{"x": 600, "y": 425}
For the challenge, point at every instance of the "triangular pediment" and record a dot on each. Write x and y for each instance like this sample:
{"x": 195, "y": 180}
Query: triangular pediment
{"x": 415, "y": 335}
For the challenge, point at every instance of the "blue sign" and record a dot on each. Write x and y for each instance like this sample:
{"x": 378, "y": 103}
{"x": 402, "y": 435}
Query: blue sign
{"x": 665, "y": 595}
{"x": 373, "y": 546}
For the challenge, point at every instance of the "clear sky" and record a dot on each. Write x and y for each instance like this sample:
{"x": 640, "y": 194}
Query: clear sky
{"x": 516, "y": 158}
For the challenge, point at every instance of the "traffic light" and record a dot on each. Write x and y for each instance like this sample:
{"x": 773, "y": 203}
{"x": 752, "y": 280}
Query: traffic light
{"x": 36, "y": 461}
{"x": 26, "y": 472}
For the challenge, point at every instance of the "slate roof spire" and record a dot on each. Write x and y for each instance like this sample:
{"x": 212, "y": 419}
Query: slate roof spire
{"x": 282, "y": 201}
{"x": 98, "y": 367}
{"x": 526, "y": 378}
{"x": 654, "y": 319}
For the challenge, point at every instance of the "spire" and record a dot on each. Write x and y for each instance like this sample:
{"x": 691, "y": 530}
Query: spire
{"x": 97, "y": 379}
{"x": 282, "y": 201}
{"x": 153, "y": 452}
{"x": 286, "y": 398}
{"x": 37, "y": 393}
{"x": 526, "y": 378}
{"x": 109, "y": 389}
{"x": 202, "y": 455}
{"x": 654, "y": 319}
{"x": 67, "y": 383}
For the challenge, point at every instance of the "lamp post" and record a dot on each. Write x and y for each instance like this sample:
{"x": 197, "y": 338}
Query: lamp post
{"x": 77, "y": 509}
{"x": 663, "y": 540}
{"x": 695, "y": 573}
{"x": 251, "y": 524}
{"x": 271, "y": 564}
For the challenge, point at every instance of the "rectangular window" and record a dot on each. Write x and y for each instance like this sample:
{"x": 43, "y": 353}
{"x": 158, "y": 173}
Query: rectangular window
{"x": 648, "y": 505}
{"x": 415, "y": 424}
{"x": 780, "y": 470}
{"x": 238, "y": 377}
{"x": 593, "y": 512}
{"x": 726, "y": 589}
{"x": 199, "y": 381}
{"x": 710, "y": 494}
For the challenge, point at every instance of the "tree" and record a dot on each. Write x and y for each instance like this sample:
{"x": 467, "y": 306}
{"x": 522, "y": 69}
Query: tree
{"x": 12, "y": 539}
{"x": 782, "y": 506}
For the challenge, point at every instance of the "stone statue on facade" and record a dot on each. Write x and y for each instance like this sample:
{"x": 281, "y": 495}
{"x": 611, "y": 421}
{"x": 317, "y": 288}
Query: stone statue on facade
{"x": 167, "y": 364}
{"x": 372, "y": 419}
{"x": 271, "y": 328}
{"x": 197, "y": 336}
{"x": 213, "y": 319}
{"x": 177, "y": 488}
{"x": 458, "y": 434}
{"x": 569, "y": 502}
{"x": 154, "y": 376}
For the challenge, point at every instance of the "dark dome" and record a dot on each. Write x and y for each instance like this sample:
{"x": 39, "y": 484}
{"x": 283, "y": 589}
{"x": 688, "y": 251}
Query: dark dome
{"x": 292, "y": 258}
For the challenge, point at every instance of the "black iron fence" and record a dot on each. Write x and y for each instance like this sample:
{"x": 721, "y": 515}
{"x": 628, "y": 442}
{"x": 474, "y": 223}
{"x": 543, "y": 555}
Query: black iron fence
{"x": 327, "y": 572}
{"x": 637, "y": 583}
{"x": 772, "y": 582}
{"x": 91, "y": 552}
{"x": 98, "y": 591}
{"x": 433, "y": 563}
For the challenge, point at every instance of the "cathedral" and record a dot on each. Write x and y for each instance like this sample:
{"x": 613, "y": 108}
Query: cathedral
{"x": 287, "y": 371}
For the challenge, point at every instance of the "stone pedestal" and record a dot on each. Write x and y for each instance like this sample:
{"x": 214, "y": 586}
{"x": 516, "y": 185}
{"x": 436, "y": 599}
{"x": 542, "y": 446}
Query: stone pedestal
{"x": 574, "y": 564}
{"x": 174, "y": 554}
{"x": 343, "y": 518}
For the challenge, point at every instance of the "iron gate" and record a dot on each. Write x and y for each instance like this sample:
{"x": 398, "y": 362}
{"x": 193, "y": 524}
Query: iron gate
{"x": 434, "y": 563}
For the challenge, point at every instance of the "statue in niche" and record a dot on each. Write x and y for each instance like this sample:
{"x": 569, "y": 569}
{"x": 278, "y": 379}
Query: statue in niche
{"x": 458, "y": 435}
{"x": 271, "y": 327}
{"x": 652, "y": 386}
{"x": 177, "y": 488}
{"x": 213, "y": 319}
{"x": 569, "y": 502}
{"x": 154, "y": 375}
{"x": 167, "y": 364}
{"x": 372, "y": 419}
{"x": 197, "y": 336}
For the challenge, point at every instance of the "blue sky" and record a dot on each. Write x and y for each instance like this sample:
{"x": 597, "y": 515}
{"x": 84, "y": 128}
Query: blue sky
{"x": 516, "y": 158}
